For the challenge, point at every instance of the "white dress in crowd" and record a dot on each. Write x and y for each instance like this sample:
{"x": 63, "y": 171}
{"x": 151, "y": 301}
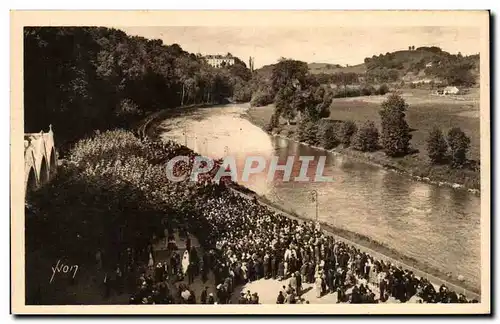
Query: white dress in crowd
{"x": 318, "y": 283}
{"x": 380, "y": 277}
{"x": 288, "y": 253}
{"x": 150, "y": 262}
{"x": 185, "y": 262}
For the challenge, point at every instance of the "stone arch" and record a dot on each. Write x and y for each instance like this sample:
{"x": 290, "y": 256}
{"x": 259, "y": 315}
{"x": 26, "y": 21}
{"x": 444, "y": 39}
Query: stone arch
{"x": 31, "y": 184}
{"x": 44, "y": 172}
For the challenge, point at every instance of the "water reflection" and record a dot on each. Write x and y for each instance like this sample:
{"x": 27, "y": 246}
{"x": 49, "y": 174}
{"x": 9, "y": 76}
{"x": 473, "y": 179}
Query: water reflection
{"x": 437, "y": 225}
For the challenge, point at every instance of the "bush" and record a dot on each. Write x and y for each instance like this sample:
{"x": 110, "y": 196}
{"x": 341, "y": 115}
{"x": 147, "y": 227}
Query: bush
{"x": 383, "y": 89}
{"x": 307, "y": 131}
{"x": 261, "y": 98}
{"x": 273, "y": 122}
{"x": 395, "y": 130}
{"x": 311, "y": 133}
{"x": 347, "y": 130}
{"x": 367, "y": 138}
{"x": 242, "y": 92}
{"x": 327, "y": 136}
{"x": 459, "y": 145}
{"x": 115, "y": 197}
{"x": 436, "y": 146}
{"x": 368, "y": 90}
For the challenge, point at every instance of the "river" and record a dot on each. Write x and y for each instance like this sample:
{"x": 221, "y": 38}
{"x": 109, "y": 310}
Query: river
{"x": 437, "y": 225}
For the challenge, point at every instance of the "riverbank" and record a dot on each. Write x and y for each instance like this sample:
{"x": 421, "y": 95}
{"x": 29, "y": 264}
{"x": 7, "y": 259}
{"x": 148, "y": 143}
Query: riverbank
{"x": 362, "y": 240}
{"x": 411, "y": 166}
{"x": 380, "y": 251}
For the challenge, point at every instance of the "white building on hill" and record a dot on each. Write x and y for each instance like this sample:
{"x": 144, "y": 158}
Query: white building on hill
{"x": 219, "y": 60}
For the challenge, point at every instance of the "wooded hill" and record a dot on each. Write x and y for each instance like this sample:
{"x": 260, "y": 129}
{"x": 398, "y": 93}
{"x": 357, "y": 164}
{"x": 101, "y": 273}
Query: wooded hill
{"x": 405, "y": 65}
{"x": 80, "y": 79}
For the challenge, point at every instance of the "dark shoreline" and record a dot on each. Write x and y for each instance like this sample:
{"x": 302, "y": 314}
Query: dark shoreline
{"x": 149, "y": 127}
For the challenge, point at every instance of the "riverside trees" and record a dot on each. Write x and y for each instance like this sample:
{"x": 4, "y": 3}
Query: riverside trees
{"x": 297, "y": 94}
{"x": 98, "y": 78}
{"x": 437, "y": 148}
{"x": 459, "y": 145}
{"x": 395, "y": 130}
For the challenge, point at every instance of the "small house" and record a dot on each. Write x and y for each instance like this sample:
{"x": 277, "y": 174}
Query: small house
{"x": 451, "y": 91}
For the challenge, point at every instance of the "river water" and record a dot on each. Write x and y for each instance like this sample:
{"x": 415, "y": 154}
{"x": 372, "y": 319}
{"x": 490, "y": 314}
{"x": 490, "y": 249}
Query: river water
{"x": 437, "y": 225}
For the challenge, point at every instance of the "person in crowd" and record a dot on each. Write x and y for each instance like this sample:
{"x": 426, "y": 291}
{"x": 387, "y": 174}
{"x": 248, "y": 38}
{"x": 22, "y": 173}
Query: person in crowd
{"x": 204, "y": 295}
{"x": 281, "y": 298}
{"x": 242, "y": 299}
{"x": 244, "y": 241}
{"x": 318, "y": 283}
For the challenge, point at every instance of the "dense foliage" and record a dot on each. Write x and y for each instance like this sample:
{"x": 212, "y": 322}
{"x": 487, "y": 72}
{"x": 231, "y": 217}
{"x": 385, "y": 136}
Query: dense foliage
{"x": 96, "y": 78}
{"x": 459, "y": 145}
{"x": 347, "y": 131}
{"x": 367, "y": 137}
{"x": 395, "y": 130}
{"x": 437, "y": 148}
{"x": 453, "y": 69}
{"x": 114, "y": 193}
{"x": 327, "y": 135}
{"x": 297, "y": 92}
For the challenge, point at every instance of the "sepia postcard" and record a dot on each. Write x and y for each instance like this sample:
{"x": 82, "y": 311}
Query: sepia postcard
{"x": 250, "y": 162}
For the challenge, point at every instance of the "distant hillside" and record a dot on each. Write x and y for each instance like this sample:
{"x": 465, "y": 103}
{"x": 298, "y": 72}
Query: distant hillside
{"x": 317, "y": 68}
{"x": 412, "y": 65}
{"x": 423, "y": 62}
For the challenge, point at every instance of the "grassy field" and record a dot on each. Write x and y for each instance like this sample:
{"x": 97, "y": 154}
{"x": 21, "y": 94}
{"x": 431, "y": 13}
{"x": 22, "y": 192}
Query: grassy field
{"x": 424, "y": 112}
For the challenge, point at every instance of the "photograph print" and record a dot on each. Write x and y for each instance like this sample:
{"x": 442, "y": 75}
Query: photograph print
{"x": 255, "y": 162}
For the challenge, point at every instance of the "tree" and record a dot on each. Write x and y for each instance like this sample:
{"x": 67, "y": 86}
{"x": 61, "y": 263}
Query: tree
{"x": 437, "y": 148}
{"x": 273, "y": 122}
{"x": 459, "y": 145}
{"x": 311, "y": 133}
{"x": 327, "y": 136}
{"x": 99, "y": 78}
{"x": 288, "y": 72}
{"x": 395, "y": 130}
{"x": 261, "y": 97}
{"x": 366, "y": 139}
{"x": 307, "y": 131}
{"x": 460, "y": 74}
{"x": 315, "y": 102}
{"x": 383, "y": 89}
{"x": 286, "y": 101}
{"x": 301, "y": 130}
{"x": 347, "y": 130}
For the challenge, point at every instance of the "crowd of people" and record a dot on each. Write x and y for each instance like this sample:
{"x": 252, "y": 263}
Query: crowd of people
{"x": 245, "y": 241}
{"x": 256, "y": 243}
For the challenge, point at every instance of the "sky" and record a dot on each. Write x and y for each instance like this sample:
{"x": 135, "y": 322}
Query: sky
{"x": 335, "y": 45}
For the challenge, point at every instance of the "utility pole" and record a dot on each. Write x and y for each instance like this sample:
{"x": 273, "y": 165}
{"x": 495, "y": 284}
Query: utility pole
{"x": 314, "y": 197}
{"x": 185, "y": 135}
